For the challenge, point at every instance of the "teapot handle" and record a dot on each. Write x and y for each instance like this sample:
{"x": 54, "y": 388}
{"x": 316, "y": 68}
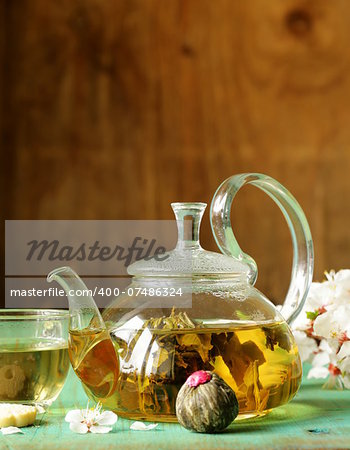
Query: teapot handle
{"x": 303, "y": 260}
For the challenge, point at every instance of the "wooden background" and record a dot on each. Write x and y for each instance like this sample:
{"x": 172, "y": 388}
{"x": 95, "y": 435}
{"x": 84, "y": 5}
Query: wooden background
{"x": 114, "y": 109}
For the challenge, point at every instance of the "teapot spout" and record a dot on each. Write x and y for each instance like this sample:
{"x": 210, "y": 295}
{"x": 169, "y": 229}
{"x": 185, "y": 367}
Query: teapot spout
{"x": 91, "y": 350}
{"x": 83, "y": 311}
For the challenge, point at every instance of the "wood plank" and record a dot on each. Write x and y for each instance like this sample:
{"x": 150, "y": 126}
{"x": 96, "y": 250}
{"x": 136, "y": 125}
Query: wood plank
{"x": 113, "y": 109}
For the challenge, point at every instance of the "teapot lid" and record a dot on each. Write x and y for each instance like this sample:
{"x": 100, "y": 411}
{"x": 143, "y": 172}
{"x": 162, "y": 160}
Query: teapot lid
{"x": 188, "y": 257}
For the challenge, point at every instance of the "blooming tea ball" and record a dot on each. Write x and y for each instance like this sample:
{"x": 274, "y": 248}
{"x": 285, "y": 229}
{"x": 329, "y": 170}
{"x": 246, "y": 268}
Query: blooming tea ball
{"x": 205, "y": 403}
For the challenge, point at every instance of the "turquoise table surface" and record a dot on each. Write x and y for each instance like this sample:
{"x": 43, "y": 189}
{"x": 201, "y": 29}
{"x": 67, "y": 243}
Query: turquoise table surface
{"x": 314, "y": 419}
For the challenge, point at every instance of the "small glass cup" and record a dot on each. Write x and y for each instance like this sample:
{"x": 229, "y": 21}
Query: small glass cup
{"x": 34, "y": 359}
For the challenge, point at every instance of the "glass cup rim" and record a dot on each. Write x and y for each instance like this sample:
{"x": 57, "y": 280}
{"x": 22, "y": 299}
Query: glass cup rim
{"x": 33, "y": 314}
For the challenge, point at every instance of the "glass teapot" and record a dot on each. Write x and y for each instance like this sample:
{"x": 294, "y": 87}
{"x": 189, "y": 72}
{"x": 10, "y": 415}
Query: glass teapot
{"x": 135, "y": 357}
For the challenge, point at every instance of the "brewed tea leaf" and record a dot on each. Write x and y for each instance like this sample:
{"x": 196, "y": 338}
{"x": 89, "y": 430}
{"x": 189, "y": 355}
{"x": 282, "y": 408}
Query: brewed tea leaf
{"x": 172, "y": 322}
{"x": 237, "y": 356}
{"x": 277, "y": 336}
{"x": 257, "y": 397}
{"x": 200, "y": 343}
{"x": 163, "y": 357}
{"x": 253, "y": 352}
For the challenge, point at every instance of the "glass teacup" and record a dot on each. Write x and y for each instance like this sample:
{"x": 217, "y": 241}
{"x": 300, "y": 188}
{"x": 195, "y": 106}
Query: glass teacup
{"x": 34, "y": 359}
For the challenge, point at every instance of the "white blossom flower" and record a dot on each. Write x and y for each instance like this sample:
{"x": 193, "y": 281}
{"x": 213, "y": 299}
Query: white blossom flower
{"x": 10, "y": 430}
{"x": 140, "y": 426}
{"x": 321, "y": 358}
{"x": 322, "y": 330}
{"x": 318, "y": 372}
{"x": 321, "y": 361}
{"x": 343, "y": 357}
{"x": 346, "y": 380}
{"x": 302, "y": 323}
{"x": 307, "y": 346}
{"x": 325, "y": 348}
{"x": 320, "y": 294}
{"x": 94, "y": 420}
{"x": 340, "y": 282}
{"x": 333, "y": 323}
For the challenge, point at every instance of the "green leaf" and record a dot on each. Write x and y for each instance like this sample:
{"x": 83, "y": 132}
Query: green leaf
{"x": 311, "y": 315}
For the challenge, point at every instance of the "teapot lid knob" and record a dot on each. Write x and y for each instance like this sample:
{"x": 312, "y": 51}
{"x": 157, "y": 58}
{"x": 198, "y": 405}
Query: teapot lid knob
{"x": 188, "y": 220}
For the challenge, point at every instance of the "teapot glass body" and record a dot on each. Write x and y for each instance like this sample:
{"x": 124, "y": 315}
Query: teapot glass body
{"x": 230, "y": 328}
